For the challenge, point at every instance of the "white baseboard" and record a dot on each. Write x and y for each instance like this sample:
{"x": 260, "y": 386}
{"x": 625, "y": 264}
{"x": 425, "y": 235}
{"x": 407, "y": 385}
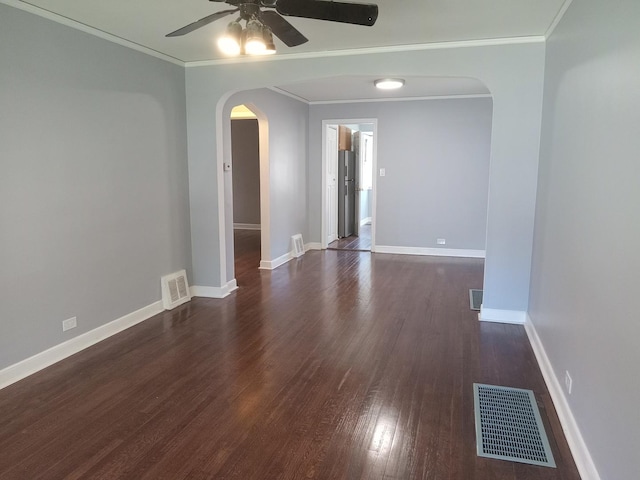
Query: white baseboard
{"x": 365, "y": 221}
{"x": 281, "y": 260}
{"x": 581, "y": 455}
{"x": 502, "y": 316}
{"x": 214, "y": 292}
{"x": 271, "y": 264}
{"x": 31, "y": 365}
{"x": 246, "y": 226}
{"x": 438, "y": 252}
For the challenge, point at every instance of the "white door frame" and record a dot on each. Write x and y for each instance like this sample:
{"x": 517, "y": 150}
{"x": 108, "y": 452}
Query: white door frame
{"x": 343, "y": 121}
{"x": 331, "y": 211}
{"x": 356, "y": 139}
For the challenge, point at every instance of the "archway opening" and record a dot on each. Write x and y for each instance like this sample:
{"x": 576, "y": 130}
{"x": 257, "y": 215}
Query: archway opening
{"x": 245, "y": 168}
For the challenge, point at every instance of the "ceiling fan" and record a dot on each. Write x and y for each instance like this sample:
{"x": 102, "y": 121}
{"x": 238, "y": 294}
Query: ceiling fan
{"x": 262, "y": 23}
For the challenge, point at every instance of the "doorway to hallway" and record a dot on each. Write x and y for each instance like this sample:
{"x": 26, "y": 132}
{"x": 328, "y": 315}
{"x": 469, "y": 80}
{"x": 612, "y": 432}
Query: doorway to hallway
{"x": 360, "y": 242}
{"x": 348, "y": 206}
{"x": 246, "y": 191}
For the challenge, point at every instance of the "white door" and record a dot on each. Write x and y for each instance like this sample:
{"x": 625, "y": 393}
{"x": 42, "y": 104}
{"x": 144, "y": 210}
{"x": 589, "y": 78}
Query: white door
{"x": 366, "y": 173}
{"x": 332, "y": 192}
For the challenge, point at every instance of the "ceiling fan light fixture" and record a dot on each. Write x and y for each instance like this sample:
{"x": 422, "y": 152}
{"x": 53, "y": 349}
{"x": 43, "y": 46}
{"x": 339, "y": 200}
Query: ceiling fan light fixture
{"x": 389, "y": 83}
{"x": 254, "y": 41}
{"x": 268, "y": 41}
{"x": 230, "y": 43}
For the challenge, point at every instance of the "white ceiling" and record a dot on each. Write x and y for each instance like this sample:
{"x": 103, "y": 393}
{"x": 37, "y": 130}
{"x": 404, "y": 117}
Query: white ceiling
{"x": 400, "y": 23}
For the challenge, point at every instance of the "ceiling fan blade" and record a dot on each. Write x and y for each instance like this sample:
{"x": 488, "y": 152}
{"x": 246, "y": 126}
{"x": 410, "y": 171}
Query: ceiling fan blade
{"x": 200, "y": 23}
{"x": 355, "y": 13}
{"x": 282, "y": 29}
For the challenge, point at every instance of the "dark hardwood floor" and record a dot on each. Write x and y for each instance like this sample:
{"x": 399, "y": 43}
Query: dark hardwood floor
{"x": 246, "y": 245}
{"x": 361, "y": 242}
{"x": 337, "y": 365}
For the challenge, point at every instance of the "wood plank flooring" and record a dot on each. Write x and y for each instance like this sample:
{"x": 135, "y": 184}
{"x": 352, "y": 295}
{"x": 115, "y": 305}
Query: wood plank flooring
{"x": 361, "y": 242}
{"x": 337, "y": 365}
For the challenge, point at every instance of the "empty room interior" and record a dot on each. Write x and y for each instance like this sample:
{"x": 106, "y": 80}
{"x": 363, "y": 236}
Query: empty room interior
{"x": 260, "y": 266}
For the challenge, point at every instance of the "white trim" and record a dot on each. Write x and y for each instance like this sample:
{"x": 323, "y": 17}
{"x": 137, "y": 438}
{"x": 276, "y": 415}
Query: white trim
{"x": 489, "y": 42}
{"x": 31, "y": 365}
{"x": 501, "y": 316}
{"x": 556, "y": 20}
{"x": 438, "y": 252}
{"x": 246, "y": 226}
{"x": 577, "y": 445}
{"x": 288, "y": 94}
{"x": 214, "y": 292}
{"x": 404, "y": 99}
{"x": 365, "y": 221}
{"x": 275, "y": 263}
{"x": 221, "y": 189}
{"x": 265, "y": 180}
{"x": 376, "y": 100}
{"x": 312, "y": 246}
{"x": 41, "y": 12}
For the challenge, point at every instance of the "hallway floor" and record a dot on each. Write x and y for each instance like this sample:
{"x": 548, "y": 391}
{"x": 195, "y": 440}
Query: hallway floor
{"x": 362, "y": 242}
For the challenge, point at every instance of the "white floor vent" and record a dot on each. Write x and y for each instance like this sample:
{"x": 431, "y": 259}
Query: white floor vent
{"x": 475, "y": 299}
{"x": 298, "y": 245}
{"x": 175, "y": 289}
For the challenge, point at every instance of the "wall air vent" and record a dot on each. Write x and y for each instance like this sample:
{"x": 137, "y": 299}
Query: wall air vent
{"x": 175, "y": 289}
{"x": 298, "y": 245}
{"x": 475, "y": 299}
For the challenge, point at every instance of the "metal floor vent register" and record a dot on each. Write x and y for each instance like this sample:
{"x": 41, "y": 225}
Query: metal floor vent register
{"x": 175, "y": 289}
{"x": 298, "y": 245}
{"x": 509, "y": 427}
{"x": 475, "y": 299}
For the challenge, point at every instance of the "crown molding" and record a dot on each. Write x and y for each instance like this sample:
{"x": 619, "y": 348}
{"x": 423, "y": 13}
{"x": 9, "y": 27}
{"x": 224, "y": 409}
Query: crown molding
{"x": 376, "y": 100}
{"x": 289, "y": 94}
{"x": 556, "y": 20}
{"x": 491, "y": 42}
{"x": 404, "y": 99}
{"x": 90, "y": 30}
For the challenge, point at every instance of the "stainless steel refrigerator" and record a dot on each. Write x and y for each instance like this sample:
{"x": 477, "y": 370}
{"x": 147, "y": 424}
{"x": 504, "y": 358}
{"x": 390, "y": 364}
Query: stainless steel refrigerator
{"x": 346, "y": 192}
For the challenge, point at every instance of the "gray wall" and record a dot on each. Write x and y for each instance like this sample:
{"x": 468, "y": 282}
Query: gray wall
{"x": 585, "y": 264}
{"x": 287, "y": 121}
{"x": 93, "y": 181}
{"x": 246, "y": 171}
{"x": 514, "y": 75}
{"x": 436, "y": 156}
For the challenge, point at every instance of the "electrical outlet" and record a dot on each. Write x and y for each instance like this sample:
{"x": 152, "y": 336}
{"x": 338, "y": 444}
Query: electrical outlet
{"x": 441, "y": 241}
{"x": 568, "y": 383}
{"x": 383, "y": 172}
{"x": 69, "y": 323}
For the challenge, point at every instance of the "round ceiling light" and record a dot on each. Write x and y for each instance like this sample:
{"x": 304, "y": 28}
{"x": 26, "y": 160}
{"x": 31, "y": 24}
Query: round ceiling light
{"x": 389, "y": 83}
